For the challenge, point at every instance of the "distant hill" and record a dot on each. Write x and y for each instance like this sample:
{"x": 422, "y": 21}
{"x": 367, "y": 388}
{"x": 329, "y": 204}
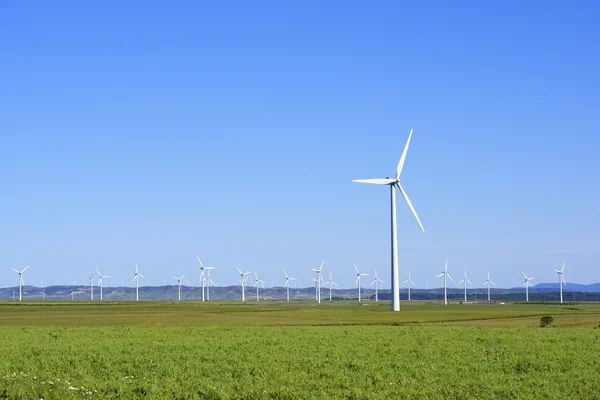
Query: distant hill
{"x": 571, "y": 287}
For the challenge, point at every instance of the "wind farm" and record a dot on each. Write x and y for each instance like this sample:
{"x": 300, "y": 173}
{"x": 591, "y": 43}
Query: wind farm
{"x": 266, "y": 137}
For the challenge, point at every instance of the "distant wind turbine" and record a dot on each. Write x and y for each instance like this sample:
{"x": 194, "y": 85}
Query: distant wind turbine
{"x": 409, "y": 282}
{"x": 445, "y": 274}
{"x": 43, "y": 291}
{"x": 330, "y": 282}
{"x": 136, "y": 278}
{"x": 208, "y": 283}
{"x": 358, "y": 275}
{"x": 488, "y": 283}
{"x": 526, "y": 284}
{"x": 100, "y": 277}
{"x": 179, "y": 286}
{"x": 91, "y": 278}
{"x": 202, "y": 277}
{"x": 465, "y": 280}
{"x": 256, "y": 283}
{"x": 318, "y": 281}
{"x": 375, "y": 282}
{"x": 20, "y": 280}
{"x": 287, "y": 284}
{"x": 395, "y": 182}
{"x": 561, "y": 281}
{"x": 243, "y": 277}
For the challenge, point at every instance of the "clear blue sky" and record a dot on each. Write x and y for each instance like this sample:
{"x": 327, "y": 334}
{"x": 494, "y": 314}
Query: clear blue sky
{"x": 152, "y": 131}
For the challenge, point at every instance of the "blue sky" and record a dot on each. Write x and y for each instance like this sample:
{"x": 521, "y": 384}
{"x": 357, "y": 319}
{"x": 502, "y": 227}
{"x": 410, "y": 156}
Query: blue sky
{"x": 149, "y": 132}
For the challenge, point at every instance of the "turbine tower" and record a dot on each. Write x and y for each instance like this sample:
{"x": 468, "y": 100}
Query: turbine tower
{"x": 526, "y": 284}
{"x": 179, "y": 285}
{"x": 465, "y": 280}
{"x": 318, "y": 282}
{"x": 358, "y": 275}
{"x": 410, "y": 282}
{"x": 375, "y": 282}
{"x": 445, "y": 274}
{"x": 256, "y": 283}
{"x": 330, "y": 282}
{"x": 136, "y": 278}
{"x": 488, "y": 283}
{"x": 395, "y": 182}
{"x": 243, "y": 277}
{"x": 287, "y": 284}
{"x": 20, "y": 280}
{"x": 561, "y": 280}
{"x": 100, "y": 277}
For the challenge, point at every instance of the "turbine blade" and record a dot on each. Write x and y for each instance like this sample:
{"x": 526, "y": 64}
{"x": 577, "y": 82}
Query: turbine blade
{"x": 442, "y": 274}
{"x": 450, "y": 277}
{"x": 323, "y": 263}
{"x": 561, "y": 270}
{"x": 469, "y": 282}
{"x": 18, "y": 272}
{"x": 142, "y": 276}
{"x": 239, "y": 270}
{"x": 28, "y": 267}
{"x": 492, "y": 283}
{"x": 403, "y": 157}
{"x": 383, "y": 181}
{"x": 286, "y": 275}
{"x": 134, "y": 278}
{"x": 524, "y": 275}
{"x": 357, "y": 271}
{"x": 410, "y": 205}
{"x": 202, "y": 265}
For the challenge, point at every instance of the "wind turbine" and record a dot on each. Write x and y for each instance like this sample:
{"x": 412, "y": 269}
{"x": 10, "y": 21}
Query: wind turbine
{"x": 91, "y": 278}
{"x": 136, "y": 278}
{"x": 256, "y": 282}
{"x": 179, "y": 285}
{"x": 318, "y": 281}
{"x": 465, "y": 280}
{"x": 526, "y": 284}
{"x": 243, "y": 277}
{"x": 208, "y": 283}
{"x": 488, "y": 283}
{"x": 395, "y": 182}
{"x": 72, "y": 291}
{"x": 20, "y": 280}
{"x": 561, "y": 280}
{"x": 445, "y": 274}
{"x": 375, "y": 281}
{"x": 331, "y": 282}
{"x": 358, "y": 275}
{"x": 287, "y": 284}
{"x": 100, "y": 277}
{"x": 43, "y": 292}
{"x": 202, "y": 278}
{"x": 410, "y": 282}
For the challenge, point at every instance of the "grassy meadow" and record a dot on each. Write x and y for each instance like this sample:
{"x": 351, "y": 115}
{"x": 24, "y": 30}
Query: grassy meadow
{"x": 297, "y": 350}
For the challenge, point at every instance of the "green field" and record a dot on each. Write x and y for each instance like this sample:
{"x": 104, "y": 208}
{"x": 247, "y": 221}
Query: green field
{"x": 297, "y": 350}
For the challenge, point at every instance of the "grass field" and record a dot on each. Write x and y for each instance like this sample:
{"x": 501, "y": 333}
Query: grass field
{"x": 297, "y": 350}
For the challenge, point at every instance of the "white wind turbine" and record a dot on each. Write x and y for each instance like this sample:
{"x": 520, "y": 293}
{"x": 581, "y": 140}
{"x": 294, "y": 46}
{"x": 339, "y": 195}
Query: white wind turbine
{"x": 358, "y": 275}
{"x": 287, "y": 284}
{"x": 100, "y": 277}
{"x": 243, "y": 277}
{"x": 445, "y": 274}
{"x": 331, "y": 282}
{"x": 20, "y": 280}
{"x": 179, "y": 286}
{"x": 318, "y": 281}
{"x": 256, "y": 283}
{"x": 43, "y": 291}
{"x": 526, "y": 284}
{"x": 202, "y": 277}
{"x": 465, "y": 280}
{"x": 561, "y": 281}
{"x": 410, "y": 282}
{"x": 488, "y": 283}
{"x": 375, "y": 282}
{"x": 395, "y": 182}
{"x": 136, "y": 278}
{"x": 91, "y": 278}
{"x": 208, "y": 283}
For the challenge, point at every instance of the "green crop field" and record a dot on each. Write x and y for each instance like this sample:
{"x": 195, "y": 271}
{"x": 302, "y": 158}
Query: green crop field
{"x": 298, "y": 350}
